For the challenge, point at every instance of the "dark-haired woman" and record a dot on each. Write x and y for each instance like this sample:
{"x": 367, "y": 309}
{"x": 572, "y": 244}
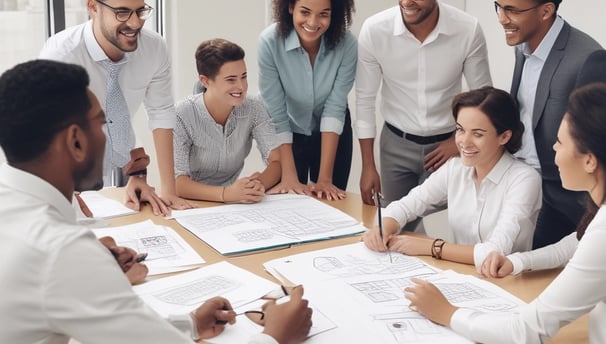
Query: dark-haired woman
{"x": 215, "y": 129}
{"x": 307, "y": 63}
{"x": 493, "y": 199}
{"x": 580, "y": 154}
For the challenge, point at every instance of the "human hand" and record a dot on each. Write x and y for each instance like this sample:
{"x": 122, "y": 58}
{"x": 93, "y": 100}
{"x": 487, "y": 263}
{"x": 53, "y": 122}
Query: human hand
{"x": 137, "y": 191}
{"x": 370, "y": 184}
{"x": 128, "y": 260}
{"x": 438, "y": 157}
{"x": 288, "y": 322}
{"x": 328, "y": 190}
{"x": 496, "y": 265}
{"x": 175, "y": 202}
{"x": 411, "y": 245}
{"x": 244, "y": 190}
{"x": 293, "y": 185}
{"x": 212, "y": 315}
{"x": 255, "y": 176}
{"x": 429, "y": 301}
{"x": 372, "y": 239}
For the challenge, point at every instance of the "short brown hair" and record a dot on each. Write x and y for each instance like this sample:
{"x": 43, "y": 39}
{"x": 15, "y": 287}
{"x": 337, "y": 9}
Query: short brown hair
{"x": 214, "y": 53}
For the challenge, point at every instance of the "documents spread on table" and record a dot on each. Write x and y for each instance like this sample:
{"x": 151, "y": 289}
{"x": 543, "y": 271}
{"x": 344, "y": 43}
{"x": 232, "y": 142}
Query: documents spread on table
{"x": 185, "y": 292}
{"x": 362, "y": 292}
{"x": 104, "y": 207}
{"x": 277, "y": 221}
{"x": 166, "y": 250}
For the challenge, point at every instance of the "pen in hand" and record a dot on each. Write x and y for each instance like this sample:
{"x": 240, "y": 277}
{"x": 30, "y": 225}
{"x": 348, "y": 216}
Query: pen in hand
{"x": 378, "y": 196}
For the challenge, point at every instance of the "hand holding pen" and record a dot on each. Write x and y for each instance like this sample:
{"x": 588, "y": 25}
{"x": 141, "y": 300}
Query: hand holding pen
{"x": 378, "y": 197}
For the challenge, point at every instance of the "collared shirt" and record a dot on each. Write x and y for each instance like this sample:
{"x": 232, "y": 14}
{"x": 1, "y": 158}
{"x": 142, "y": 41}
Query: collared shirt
{"x": 300, "y": 98}
{"x": 578, "y": 290}
{"x": 499, "y": 215}
{"x": 533, "y": 65}
{"x": 57, "y": 281}
{"x": 210, "y": 153}
{"x": 417, "y": 79}
{"x": 146, "y": 77}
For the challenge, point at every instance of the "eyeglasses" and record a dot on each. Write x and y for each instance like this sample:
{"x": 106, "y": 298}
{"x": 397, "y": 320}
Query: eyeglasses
{"x": 511, "y": 11}
{"x": 124, "y": 14}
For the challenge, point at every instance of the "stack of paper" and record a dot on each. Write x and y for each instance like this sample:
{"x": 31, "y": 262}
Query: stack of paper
{"x": 166, "y": 250}
{"x": 277, "y": 221}
{"x": 104, "y": 207}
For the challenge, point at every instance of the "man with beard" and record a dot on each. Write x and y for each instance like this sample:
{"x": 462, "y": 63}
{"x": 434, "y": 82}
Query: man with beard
{"x": 56, "y": 279}
{"x": 127, "y": 65}
{"x": 549, "y": 55}
{"x": 417, "y": 54}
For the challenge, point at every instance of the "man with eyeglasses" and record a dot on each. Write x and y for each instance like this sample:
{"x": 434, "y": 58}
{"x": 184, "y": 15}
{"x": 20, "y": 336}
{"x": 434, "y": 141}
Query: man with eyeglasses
{"x": 416, "y": 54}
{"x": 128, "y": 65}
{"x": 549, "y": 55}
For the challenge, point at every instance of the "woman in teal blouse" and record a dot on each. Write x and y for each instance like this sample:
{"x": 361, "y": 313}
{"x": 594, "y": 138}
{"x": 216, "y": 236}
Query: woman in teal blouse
{"x": 307, "y": 63}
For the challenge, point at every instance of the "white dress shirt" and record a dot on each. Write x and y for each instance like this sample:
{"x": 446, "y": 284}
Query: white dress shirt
{"x": 57, "y": 281}
{"x": 578, "y": 289}
{"x": 417, "y": 79}
{"x": 499, "y": 216}
{"x": 533, "y": 65}
{"x": 146, "y": 77}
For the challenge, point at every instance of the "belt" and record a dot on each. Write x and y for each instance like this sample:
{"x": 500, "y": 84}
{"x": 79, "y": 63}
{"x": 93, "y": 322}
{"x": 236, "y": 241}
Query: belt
{"x": 422, "y": 140}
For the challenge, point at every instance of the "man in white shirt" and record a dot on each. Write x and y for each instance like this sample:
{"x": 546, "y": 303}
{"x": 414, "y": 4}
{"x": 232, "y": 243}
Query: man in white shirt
{"x": 417, "y": 54}
{"x": 549, "y": 55}
{"x": 56, "y": 279}
{"x": 115, "y": 35}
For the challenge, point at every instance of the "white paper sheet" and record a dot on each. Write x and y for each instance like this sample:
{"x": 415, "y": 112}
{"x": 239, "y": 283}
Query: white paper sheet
{"x": 185, "y": 292}
{"x": 104, "y": 207}
{"x": 277, "y": 221}
{"x": 166, "y": 250}
{"x": 362, "y": 292}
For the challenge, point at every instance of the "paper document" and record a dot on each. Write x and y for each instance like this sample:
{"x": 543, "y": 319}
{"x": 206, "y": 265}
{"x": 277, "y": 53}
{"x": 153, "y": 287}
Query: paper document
{"x": 362, "y": 292}
{"x": 104, "y": 207}
{"x": 183, "y": 293}
{"x": 166, "y": 250}
{"x": 277, "y": 221}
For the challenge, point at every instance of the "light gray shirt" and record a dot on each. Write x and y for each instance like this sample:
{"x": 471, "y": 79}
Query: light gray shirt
{"x": 213, "y": 154}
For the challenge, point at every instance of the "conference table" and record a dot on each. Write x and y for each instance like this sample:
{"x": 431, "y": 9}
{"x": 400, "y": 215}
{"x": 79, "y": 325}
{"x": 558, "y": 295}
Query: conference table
{"x": 526, "y": 286}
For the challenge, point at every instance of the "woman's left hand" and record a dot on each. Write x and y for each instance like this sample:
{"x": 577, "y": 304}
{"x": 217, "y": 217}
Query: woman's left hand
{"x": 328, "y": 190}
{"x": 411, "y": 245}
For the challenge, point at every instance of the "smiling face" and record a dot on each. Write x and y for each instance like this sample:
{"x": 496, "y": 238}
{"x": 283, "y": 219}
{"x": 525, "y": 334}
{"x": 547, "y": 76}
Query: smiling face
{"x": 229, "y": 85}
{"x": 115, "y": 37}
{"x": 415, "y": 12}
{"x": 311, "y": 19}
{"x": 477, "y": 140}
{"x": 571, "y": 162}
{"x": 525, "y": 21}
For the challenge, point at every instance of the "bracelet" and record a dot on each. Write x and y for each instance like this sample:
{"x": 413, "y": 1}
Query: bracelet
{"x": 436, "y": 248}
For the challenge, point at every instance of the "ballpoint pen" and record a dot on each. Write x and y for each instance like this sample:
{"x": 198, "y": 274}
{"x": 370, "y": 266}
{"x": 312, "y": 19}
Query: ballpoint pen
{"x": 378, "y": 197}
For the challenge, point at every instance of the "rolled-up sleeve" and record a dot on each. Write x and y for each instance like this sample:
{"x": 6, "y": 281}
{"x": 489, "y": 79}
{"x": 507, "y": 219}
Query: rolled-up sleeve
{"x": 368, "y": 81}
{"x": 158, "y": 101}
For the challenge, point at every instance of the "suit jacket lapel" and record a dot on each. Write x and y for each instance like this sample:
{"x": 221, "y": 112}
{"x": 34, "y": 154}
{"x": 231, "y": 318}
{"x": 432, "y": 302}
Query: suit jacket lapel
{"x": 517, "y": 73}
{"x": 549, "y": 69}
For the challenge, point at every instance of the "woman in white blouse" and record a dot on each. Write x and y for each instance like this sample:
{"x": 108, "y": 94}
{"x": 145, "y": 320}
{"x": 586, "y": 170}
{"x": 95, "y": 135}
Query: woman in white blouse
{"x": 215, "y": 130}
{"x": 493, "y": 199}
{"x": 579, "y": 289}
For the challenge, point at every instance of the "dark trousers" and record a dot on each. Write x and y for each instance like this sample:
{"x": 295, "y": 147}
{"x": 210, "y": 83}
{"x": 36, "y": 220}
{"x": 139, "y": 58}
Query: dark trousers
{"x": 306, "y": 151}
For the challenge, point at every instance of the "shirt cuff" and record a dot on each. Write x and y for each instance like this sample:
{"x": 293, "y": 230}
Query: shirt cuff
{"x": 516, "y": 261}
{"x": 331, "y": 124}
{"x": 262, "y": 338}
{"x": 185, "y": 324}
{"x": 461, "y": 320}
{"x": 284, "y": 137}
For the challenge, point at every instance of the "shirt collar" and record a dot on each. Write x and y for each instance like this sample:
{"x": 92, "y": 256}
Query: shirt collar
{"x": 498, "y": 171}
{"x": 442, "y": 26}
{"x": 37, "y": 187}
{"x": 542, "y": 51}
{"x": 292, "y": 42}
{"x": 93, "y": 47}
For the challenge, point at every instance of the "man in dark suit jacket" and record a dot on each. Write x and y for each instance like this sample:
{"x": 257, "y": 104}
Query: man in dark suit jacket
{"x": 549, "y": 55}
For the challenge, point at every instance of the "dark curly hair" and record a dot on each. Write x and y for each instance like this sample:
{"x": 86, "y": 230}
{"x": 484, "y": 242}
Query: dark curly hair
{"x": 499, "y": 107}
{"x": 340, "y": 19}
{"x": 38, "y": 99}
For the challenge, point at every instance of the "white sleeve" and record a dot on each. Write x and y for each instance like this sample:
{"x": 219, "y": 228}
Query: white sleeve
{"x": 368, "y": 81}
{"x": 262, "y": 338}
{"x": 548, "y": 257}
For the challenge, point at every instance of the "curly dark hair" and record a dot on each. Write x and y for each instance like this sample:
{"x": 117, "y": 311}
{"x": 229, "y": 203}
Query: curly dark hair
{"x": 340, "y": 19}
{"x": 38, "y": 99}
